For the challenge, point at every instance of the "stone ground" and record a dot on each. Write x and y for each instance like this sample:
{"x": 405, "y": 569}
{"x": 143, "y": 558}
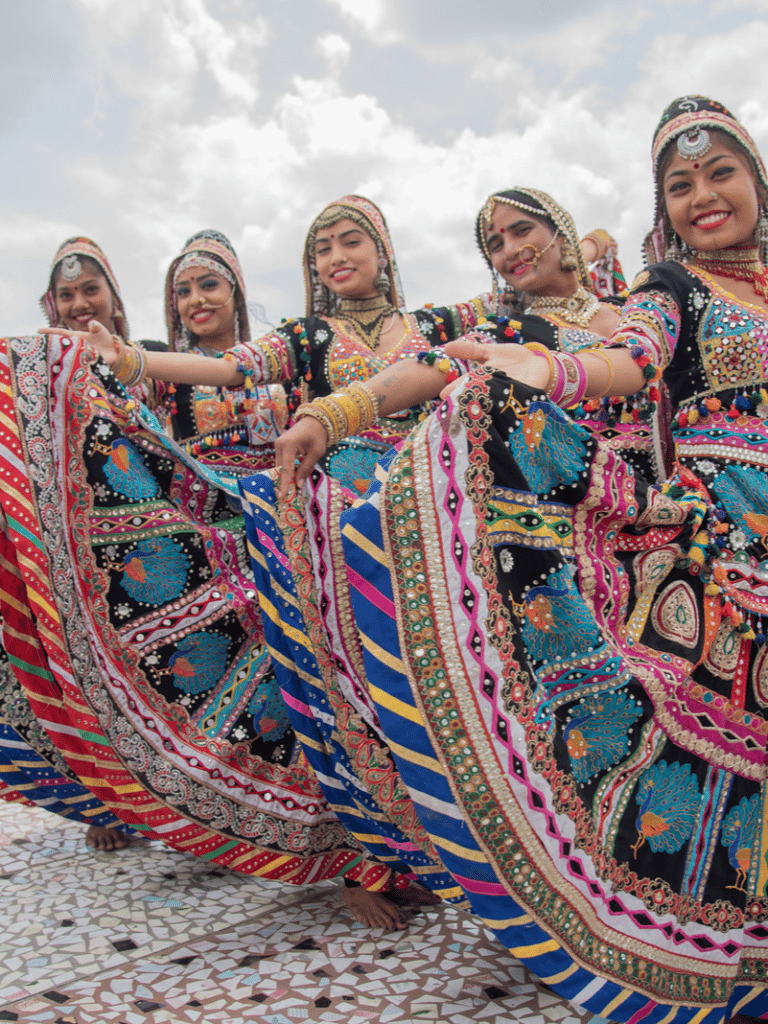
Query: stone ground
{"x": 148, "y": 935}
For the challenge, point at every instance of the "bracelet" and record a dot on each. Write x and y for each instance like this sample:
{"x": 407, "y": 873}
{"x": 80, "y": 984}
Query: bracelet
{"x": 130, "y": 370}
{"x": 438, "y": 358}
{"x": 316, "y": 411}
{"x": 602, "y": 355}
{"x": 603, "y": 242}
{"x": 344, "y": 413}
{"x": 568, "y": 383}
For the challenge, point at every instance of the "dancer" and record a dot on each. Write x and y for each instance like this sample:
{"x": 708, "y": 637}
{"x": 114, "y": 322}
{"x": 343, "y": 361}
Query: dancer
{"x": 206, "y": 314}
{"x": 81, "y": 287}
{"x": 567, "y": 659}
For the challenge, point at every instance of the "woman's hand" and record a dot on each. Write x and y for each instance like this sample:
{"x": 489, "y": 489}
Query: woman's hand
{"x": 97, "y": 336}
{"x": 305, "y": 442}
{"x": 516, "y": 361}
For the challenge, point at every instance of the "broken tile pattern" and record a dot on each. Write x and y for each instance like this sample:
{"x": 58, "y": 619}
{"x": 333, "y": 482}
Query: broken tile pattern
{"x": 149, "y": 935}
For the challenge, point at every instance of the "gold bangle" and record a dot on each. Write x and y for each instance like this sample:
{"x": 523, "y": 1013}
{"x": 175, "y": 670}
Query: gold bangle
{"x": 319, "y": 413}
{"x": 602, "y": 355}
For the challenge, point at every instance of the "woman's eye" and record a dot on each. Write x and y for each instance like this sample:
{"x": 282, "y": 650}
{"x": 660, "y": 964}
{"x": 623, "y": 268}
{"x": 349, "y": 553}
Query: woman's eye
{"x": 722, "y": 171}
{"x": 210, "y": 284}
{"x": 322, "y": 252}
{"x": 182, "y": 291}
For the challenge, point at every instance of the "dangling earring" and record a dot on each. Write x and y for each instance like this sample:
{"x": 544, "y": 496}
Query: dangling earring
{"x": 382, "y": 278}
{"x": 568, "y": 259}
{"x": 762, "y": 234}
{"x": 674, "y": 247}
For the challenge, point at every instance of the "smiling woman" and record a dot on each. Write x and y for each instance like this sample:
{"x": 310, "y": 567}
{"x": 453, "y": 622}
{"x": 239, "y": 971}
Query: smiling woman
{"x": 82, "y": 288}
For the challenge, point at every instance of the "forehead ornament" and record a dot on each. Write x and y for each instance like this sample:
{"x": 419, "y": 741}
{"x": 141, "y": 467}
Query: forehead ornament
{"x": 693, "y": 144}
{"x": 71, "y": 267}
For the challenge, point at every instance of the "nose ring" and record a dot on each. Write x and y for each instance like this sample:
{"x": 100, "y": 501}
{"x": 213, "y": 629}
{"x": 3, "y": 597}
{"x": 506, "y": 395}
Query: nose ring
{"x": 532, "y": 259}
{"x": 713, "y": 194}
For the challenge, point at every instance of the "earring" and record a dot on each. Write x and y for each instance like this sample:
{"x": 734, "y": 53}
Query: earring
{"x": 762, "y": 232}
{"x": 675, "y": 249}
{"x": 382, "y": 278}
{"x": 568, "y": 259}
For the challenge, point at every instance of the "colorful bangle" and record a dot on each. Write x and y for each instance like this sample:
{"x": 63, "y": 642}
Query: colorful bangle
{"x": 438, "y": 358}
{"x": 344, "y": 413}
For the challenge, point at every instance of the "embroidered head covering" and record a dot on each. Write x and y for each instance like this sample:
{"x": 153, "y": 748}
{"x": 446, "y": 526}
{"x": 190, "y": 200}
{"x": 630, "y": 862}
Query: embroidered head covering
{"x": 541, "y": 205}
{"x": 67, "y": 258}
{"x": 321, "y": 301}
{"x": 214, "y": 251}
{"x": 685, "y": 121}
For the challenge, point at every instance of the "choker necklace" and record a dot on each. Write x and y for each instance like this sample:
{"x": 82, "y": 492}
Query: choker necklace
{"x": 578, "y": 308}
{"x": 368, "y": 316}
{"x": 739, "y": 263}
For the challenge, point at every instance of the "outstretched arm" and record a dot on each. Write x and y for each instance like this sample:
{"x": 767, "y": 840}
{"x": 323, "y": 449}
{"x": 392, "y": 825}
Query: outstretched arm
{"x": 173, "y": 367}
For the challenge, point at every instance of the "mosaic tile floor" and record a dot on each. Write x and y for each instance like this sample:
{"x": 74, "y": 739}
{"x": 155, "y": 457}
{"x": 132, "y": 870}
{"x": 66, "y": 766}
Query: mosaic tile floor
{"x": 148, "y": 935}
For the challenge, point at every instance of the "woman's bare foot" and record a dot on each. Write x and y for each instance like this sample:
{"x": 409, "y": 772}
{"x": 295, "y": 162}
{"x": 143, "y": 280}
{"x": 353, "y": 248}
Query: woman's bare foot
{"x": 414, "y": 896}
{"x": 108, "y": 839}
{"x": 372, "y": 909}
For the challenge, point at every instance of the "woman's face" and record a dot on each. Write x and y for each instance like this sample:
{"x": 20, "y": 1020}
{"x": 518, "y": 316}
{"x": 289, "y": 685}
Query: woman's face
{"x": 346, "y": 260}
{"x": 87, "y": 298}
{"x": 205, "y": 301}
{"x": 514, "y": 238}
{"x": 712, "y": 202}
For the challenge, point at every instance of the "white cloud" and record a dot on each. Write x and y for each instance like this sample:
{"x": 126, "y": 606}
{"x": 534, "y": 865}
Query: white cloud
{"x": 335, "y": 51}
{"x": 370, "y": 16}
{"x": 187, "y": 140}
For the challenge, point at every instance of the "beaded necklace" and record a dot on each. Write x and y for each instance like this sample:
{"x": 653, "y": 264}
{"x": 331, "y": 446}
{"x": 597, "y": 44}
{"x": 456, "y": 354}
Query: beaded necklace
{"x": 578, "y": 308}
{"x": 739, "y": 263}
{"x": 368, "y": 316}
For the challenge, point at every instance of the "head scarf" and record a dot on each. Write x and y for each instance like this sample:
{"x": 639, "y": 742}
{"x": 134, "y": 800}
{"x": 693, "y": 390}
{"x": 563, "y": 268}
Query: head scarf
{"x": 691, "y": 116}
{"x": 81, "y": 246}
{"x": 542, "y": 205}
{"x": 213, "y": 250}
{"x": 320, "y": 301}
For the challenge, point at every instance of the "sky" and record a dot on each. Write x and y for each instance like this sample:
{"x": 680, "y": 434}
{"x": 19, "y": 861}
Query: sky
{"x": 140, "y": 123}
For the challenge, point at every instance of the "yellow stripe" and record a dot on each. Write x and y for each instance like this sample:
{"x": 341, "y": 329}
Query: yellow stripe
{"x": 507, "y": 922}
{"x": 36, "y": 598}
{"x": 742, "y": 1002}
{"x": 365, "y": 544}
{"x": 290, "y": 631}
{"x": 670, "y": 1016}
{"x": 554, "y": 979}
{"x": 538, "y": 949}
{"x": 383, "y": 656}
{"x": 394, "y": 704}
{"x": 459, "y": 851}
{"x": 422, "y": 760}
{"x": 615, "y": 1003}
{"x": 448, "y": 894}
{"x": 700, "y": 1015}
{"x": 308, "y": 742}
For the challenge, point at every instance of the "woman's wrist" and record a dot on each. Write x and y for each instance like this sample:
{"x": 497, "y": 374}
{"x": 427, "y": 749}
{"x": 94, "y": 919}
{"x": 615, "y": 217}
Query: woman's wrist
{"x": 343, "y": 413}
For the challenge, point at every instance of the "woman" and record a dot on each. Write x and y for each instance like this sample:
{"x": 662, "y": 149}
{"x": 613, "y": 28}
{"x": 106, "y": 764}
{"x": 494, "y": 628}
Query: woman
{"x": 81, "y": 287}
{"x": 568, "y": 660}
{"x": 206, "y": 314}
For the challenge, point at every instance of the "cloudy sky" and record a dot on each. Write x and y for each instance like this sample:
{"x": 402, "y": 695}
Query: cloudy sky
{"x": 140, "y": 122}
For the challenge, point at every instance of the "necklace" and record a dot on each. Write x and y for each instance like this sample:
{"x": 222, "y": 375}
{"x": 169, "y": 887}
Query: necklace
{"x": 368, "y": 316}
{"x": 578, "y": 308}
{"x": 740, "y": 263}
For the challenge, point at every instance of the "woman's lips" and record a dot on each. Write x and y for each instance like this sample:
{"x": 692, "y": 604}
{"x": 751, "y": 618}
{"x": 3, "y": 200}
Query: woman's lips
{"x": 202, "y": 316}
{"x": 342, "y": 274}
{"x": 710, "y": 221}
